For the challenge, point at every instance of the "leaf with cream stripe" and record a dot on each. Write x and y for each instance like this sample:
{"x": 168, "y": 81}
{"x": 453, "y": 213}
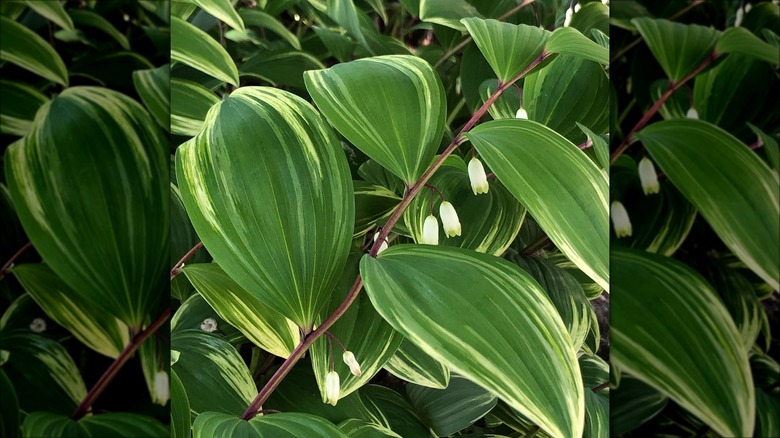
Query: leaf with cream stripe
{"x": 412, "y": 364}
{"x": 685, "y": 343}
{"x": 391, "y": 107}
{"x": 702, "y": 160}
{"x": 17, "y": 119}
{"x": 468, "y": 311}
{"x": 190, "y": 102}
{"x": 23, "y": 47}
{"x": 281, "y": 425}
{"x": 560, "y": 186}
{"x": 96, "y": 214}
{"x": 192, "y": 46}
{"x": 153, "y": 85}
{"x": 269, "y": 192}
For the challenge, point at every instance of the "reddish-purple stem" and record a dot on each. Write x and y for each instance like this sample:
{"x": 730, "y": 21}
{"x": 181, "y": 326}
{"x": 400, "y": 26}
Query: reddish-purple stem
{"x": 7, "y": 266}
{"x": 177, "y": 267}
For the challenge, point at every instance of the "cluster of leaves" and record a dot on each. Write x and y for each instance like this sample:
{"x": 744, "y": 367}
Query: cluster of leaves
{"x": 488, "y": 332}
{"x": 84, "y": 181}
{"x": 698, "y": 244}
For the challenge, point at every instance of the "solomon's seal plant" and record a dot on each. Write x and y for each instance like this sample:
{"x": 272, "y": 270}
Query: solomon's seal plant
{"x": 696, "y": 216}
{"x": 315, "y": 142}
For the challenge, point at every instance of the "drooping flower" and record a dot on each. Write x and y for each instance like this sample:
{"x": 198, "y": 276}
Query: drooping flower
{"x": 477, "y": 176}
{"x": 648, "y": 176}
{"x": 161, "y": 388}
{"x": 449, "y": 219}
{"x": 352, "y": 363}
{"x": 430, "y": 231}
{"x": 382, "y": 246}
{"x": 209, "y": 325}
{"x": 692, "y": 114}
{"x": 569, "y": 13}
{"x": 521, "y": 114}
{"x": 38, "y": 325}
{"x": 332, "y": 387}
{"x": 620, "y": 219}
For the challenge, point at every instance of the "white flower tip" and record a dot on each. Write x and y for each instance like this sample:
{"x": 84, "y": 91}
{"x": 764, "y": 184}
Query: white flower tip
{"x": 648, "y": 176}
{"x": 449, "y": 219}
{"x": 38, "y": 325}
{"x": 352, "y": 363}
{"x": 477, "y": 176}
{"x": 332, "y": 387}
{"x": 430, "y": 231}
{"x": 162, "y": 389}
{"x": 521, "y": 114}
{"x": 620, "y": 219}
{"x": 577, "y": 8}
{"x": 383, "y": 246}
{"x": 692, "y": 114}
{"x": 569, "y": 13}
{"x": 209, "y": 325}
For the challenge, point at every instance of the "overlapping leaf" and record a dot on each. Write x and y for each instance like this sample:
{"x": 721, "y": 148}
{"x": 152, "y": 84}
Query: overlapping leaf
{"x": 153, "y": 85}
{"x": 190, "y": 102}
{"x": 23, "y": 47}
{"x": 197, "y": 49}
{"x": 52, "y": 11}
{"x": 17, "y": 119}
{"x": 569, "y": 41}
{"x": 82, "y": 17}
{"x": 282, "y": 425}
{"x": 538, "y": 374}
{"x": 415, "y": 366}
{"x": 447, "y": 411}
{"x": 269, "y": 192}
{"x": 742, "y": 41}
{"x": 112, "y": 424}
{"x": 558, "y": 184}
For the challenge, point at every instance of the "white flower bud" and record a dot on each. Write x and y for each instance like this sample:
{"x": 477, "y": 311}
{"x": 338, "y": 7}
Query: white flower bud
{"x": 477, "y": 176}
{"x": 209, "y": 325}
{"x": 383, "y": 246}
{"x": 740, "y": 15}
{"x": 352, "y": 363}
{"x": 577, "y": 8}
{"x": 449, "y": 219}
{"x": 521, "y": 114}
{"x": 162, "y": 388}
{"x": 332, "y": 387}
{"x": 648, "y": 176}
{"x": 692, "y": 114}
{"x": 569, "y": 13}
{"x": 620, "y": 219}
{"x": 430, "y": 231}
{"x": 38, "y": 325}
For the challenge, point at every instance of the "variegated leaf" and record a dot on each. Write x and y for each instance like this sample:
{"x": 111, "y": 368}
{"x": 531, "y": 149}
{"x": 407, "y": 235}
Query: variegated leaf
{"x": 192, "y": 46}
{"x": 23, "y": 47}
{"x": 282, "y": 425}
{"x": 415, "y": 366}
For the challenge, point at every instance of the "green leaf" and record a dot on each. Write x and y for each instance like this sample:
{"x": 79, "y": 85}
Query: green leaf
{"x": 17, "y": 119}
{"x": 596, "y": 416}
{"x": 222, "y": 10}
{"x": 259, "y": 323}
{"x": 685, "y": 344}
{"x": 282, "y": 425}
{"x": 52, "y": 11}
{"x": 771, "y": 147}
{"x": 547, "y": 389}
{"x": 360, "y": 329}
{"x": 190, "y": 102}
{"x": 356, "y": 428}
{"x": 339, "y": 44}
{"x": 180, "y": 409}
{"x": 258, "y": 18}
{"x": 43, "y": 371}
{"x": 634, "y": 403}
{"x": 291, "y": 255}
{"x": 412, "y": 364}
{"x": 83, "y": 17}
{"x": 123, "y": 268}
{"x": 742, "y": 41}
{"x": 664, "y": 37}
{"x": 569, "y": 41}
{"x": 183, "y": 238}
{"x": 9, "y": 410}
{"x": 698, "y": 158}
{"x": 95, "y": 329}
{"x": 568, "y": 91}
{"x": 508, "y": 48}
{"x": 391, "y": 410}
{"x": 373, "y": 203}
{"x": 281, "y": 68}
{"x": 447, "y": 12}
{"x": 449, "y": 410}
{"x": 153, "y": 86}
{"x": 345, "y": 14}
{"x": 767, "y": 414}
{"x": 599, "y": 145}
{"x": 507, "y": 104}
{"x": 562, "y": 188}
{"x": 23, "y": 47}
{"x": 212, "y": 372}
{"x": 113, "y": 424}
{"x": 391, "y": 107}
{"x": 192, "y": 46}
{"x": 195, "y": 311}
{"x": 595, "y": 372}
{"x": 489, "y": 222}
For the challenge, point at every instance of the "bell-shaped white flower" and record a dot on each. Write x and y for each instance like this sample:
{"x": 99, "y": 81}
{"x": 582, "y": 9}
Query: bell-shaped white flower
{"x": 648, "y": 176}
{"x": 352, "y": 363}
{"x": 382, "y": 246}
{"x": 38, "y": 325}
{"x": 477, "y": 176}
{"x": 569, "y": 13}
{"x": 449, "y": 219}
{"x": 692, "y": 114}
{"x": 332, "y": 387}
{"x": 620, "y": 219}
{"x": 209, "y": 325}
{"x": 430, "y": 231}
{"x": 162, "y": 387}
{"x": 521, "y": 114}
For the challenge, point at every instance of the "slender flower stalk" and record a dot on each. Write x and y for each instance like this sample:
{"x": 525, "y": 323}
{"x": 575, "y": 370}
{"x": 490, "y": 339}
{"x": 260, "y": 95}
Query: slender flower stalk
{"x": 620, "y": 219}
{"x": 477, "y": 176}
{"x": 449, "y": 219}
{"x": 648, "y": 176}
